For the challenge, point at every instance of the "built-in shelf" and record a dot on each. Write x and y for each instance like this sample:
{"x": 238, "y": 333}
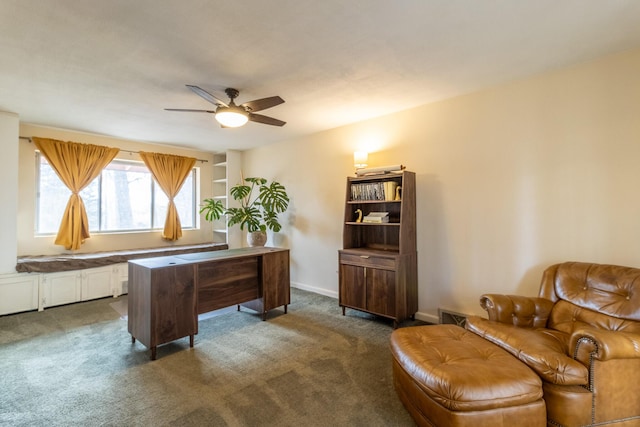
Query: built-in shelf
{"x": 220, "y": 232}
{"x": 226, "y": 172}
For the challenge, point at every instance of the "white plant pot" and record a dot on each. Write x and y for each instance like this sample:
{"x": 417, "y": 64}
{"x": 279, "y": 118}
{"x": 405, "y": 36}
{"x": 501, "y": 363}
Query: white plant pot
{"x": 257, "y": 238}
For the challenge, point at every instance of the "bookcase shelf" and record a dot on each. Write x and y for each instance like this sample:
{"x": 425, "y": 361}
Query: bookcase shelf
{"x": 378, "y": 263}
{"x": 368, "y": 224}
{"x": 365, "y": 202}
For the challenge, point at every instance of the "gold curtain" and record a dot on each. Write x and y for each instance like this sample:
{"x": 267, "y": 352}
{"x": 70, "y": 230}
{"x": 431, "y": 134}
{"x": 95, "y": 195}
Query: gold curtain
{"x": 170, "y": 172}
{"x": 77, "y": 165}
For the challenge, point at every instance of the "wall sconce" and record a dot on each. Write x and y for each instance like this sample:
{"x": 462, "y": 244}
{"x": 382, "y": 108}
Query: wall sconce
{"x": 360, "y": 159}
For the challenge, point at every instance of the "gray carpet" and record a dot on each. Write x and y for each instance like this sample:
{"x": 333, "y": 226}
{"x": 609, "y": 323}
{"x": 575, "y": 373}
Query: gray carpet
{"x": 75, "y": 365}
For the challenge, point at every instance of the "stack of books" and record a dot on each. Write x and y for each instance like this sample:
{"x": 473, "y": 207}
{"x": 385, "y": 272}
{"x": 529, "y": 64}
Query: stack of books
{"x": 374, "y": 191}
{"x": 376, "y": 217}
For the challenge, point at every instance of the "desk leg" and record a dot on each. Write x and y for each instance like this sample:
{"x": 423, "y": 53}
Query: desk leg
{"x": 285, "y": 309}
{"x": 191, "y": 340}
{"x": 153, "y": 353}
{"x": 264, "y": 316}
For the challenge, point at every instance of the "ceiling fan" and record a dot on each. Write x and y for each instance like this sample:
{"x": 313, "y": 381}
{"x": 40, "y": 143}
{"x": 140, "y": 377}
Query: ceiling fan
{"x": 230, "y": 115}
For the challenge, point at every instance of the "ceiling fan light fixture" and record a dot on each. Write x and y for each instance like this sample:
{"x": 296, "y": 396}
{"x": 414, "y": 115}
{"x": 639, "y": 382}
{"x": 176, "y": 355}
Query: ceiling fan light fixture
{"x": 231, "y": 117}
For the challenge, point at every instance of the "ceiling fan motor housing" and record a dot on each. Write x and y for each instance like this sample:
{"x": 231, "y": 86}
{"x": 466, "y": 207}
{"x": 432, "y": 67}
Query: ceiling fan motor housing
{"x": 232, "y": 93}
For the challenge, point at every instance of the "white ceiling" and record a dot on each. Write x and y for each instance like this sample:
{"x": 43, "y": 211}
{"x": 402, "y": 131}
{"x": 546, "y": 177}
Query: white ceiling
{"x": 112, "y": 66}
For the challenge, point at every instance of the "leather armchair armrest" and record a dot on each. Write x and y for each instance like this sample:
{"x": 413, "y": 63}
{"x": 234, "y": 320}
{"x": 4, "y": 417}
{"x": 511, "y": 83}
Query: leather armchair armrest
{"x": 528, "y": 312}
{"x": 603, "y": 344}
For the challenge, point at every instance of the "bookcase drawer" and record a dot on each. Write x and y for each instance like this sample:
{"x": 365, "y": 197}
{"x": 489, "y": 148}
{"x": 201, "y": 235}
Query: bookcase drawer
{"x": 370, "y": 261}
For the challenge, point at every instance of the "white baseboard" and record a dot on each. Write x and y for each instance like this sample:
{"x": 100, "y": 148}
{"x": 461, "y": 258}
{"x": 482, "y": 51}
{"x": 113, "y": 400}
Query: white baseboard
{"x": 429, "y": 318}
{"x": 321, "y": 291}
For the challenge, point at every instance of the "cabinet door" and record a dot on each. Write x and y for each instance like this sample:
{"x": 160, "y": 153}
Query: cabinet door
{"x": 96, "y": 283}
{"x": 61, "y": 288}
{"x": 381, "y": 291}
{"x": 352, "y": 286}
{"x": 18, "y": 292}
{"x": 119, "y": 279}
{"x": 275, "y": 282}
{"x": 173, "y": 303}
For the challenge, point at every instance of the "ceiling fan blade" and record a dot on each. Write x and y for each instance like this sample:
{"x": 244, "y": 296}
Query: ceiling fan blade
{"x": 263, "y": 104}
{"x": 206, "y": 95}
{"x": 189, "y": 110}
{"x": 259, "y": 118}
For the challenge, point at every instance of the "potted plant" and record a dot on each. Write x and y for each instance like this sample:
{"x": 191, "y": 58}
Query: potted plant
{"x": 260, "y": 204}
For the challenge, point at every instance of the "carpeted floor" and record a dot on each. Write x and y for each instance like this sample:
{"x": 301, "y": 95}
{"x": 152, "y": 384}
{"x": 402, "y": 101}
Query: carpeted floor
{"x": 76, "y": 365}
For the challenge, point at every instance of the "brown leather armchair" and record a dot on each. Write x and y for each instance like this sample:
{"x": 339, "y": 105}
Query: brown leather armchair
{"x": 581, "y": 335}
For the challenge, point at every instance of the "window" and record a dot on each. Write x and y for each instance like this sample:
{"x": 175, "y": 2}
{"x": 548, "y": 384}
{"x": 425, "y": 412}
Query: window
{"x": 123, "y": 198}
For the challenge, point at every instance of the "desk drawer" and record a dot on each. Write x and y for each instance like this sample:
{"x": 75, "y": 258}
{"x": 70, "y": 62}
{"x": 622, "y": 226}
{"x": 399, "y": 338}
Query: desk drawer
{"x": 366, "y": 260}
{"x": 227, "y": 282}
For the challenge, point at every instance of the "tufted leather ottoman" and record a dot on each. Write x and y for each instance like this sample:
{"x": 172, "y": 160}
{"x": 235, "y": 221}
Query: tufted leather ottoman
{"x": 447, "y": 376}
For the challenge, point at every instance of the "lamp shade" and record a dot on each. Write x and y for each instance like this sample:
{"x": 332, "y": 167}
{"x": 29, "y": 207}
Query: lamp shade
{"x": 231, "y": 117}
{"x": 360, "y": 159}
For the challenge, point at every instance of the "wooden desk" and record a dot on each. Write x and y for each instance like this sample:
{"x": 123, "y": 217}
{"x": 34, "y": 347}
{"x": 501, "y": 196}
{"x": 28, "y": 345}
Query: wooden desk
{"x": 166, "y": 294}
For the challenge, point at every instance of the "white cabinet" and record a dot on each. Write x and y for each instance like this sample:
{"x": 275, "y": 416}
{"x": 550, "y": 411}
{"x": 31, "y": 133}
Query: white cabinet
{"x": 119, "y": 279}
{"x": 60, "y": 288}
{"x": 96, "y": 283}
{"x": 30, "y": 291}
{"x": 81, "y": 285}
{"x": 18, "y": 292}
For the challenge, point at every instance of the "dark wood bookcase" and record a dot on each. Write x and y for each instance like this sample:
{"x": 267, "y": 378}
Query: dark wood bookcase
{"x": 378, "y": 270}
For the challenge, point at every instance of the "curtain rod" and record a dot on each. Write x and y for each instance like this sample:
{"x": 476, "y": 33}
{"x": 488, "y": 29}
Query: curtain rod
{"x": 126, "y": 151}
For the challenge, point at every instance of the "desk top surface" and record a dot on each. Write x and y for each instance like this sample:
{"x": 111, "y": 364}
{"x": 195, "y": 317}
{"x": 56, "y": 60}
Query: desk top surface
{"x": 195, "y": 258}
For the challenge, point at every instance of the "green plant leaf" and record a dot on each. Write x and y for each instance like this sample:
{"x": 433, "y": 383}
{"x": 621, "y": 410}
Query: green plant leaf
{"x": 212, "y": 209}
{"x": 271, "y": 221}
{"x": 240, "y": 192}
{"x": 274, "y": 197}
{"x": 244, "y": 216}
{"x": 256, "y": 181}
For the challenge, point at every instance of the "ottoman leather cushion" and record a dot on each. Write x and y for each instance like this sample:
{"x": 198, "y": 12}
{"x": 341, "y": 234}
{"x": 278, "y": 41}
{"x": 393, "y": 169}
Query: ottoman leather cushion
{"x": 461, "y": 371}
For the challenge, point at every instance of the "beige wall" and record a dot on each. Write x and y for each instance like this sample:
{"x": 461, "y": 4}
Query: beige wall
{"x": 510, "y": 180}
{"x": 29, "y": 244}
{"x": 9, "y": 194}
